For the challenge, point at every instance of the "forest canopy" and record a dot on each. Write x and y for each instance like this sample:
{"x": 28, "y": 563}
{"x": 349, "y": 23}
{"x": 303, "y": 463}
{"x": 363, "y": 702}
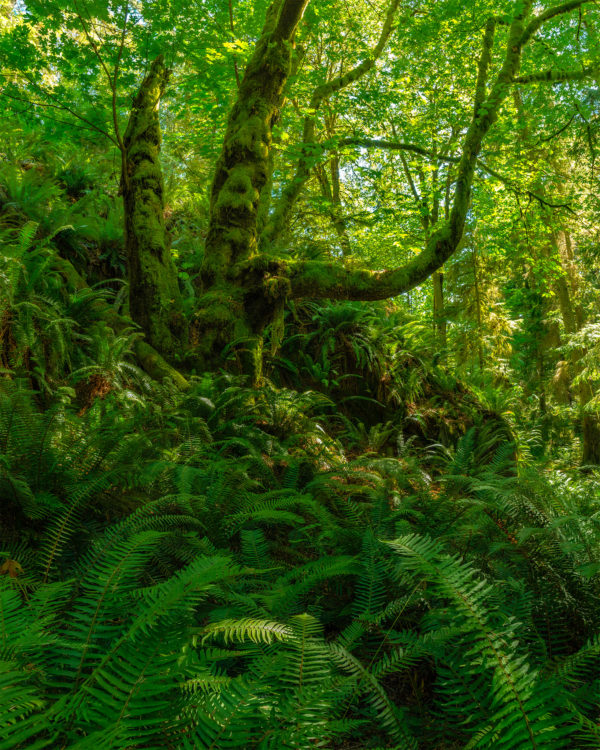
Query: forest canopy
{"x": 299, "y": 371}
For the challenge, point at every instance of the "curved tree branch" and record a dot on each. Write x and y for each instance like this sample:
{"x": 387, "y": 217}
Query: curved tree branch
{"x": 342, "y": 281}
{"x": 558, "y": 76}
{"x": 558, "y": 10}
{"x": 339, "y": 281}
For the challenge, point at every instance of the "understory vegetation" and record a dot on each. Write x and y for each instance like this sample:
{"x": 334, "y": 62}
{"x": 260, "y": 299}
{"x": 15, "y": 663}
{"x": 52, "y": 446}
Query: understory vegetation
{"x": 373, "y": 520}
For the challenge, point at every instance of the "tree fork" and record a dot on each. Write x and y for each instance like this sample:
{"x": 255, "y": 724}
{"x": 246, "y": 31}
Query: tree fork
{"x": 242, "y": 288}
{"x": 231, "y": 307}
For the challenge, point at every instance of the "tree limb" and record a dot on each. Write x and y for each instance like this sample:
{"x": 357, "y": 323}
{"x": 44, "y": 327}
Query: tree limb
{"x": 281, "y": 214}
{"x": 558, "y": 10}
{"x": 49, "y": 105}
{"x": 411, "y": 147}
{"x": 557, "y": 76}
{"x": 343, "y": 281}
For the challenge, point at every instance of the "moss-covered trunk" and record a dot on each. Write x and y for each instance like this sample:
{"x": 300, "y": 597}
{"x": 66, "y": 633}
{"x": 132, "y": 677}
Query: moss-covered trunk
{"x": 235, "y": 307}
{"x": 154, "y": 297}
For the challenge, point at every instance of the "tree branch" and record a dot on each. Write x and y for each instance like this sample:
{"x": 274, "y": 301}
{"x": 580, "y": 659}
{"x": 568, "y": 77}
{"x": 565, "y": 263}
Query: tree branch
{"x": 343, "y": 281}
{"x": 558, "y": 10}
{"x": 232, "y": 29}
{"x": 557, "y": 76}
{"x": 243, "y": 170}
{"x": 290, "y": 15}
{"x": 62, "y": 107}
{"x": 281, "y": 214}
{"x": 400, "y": 146}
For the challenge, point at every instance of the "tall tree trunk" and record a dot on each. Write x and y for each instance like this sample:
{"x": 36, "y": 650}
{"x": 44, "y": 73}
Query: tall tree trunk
{"x": 573, "y": 320}
{"x": 237, "y": 301}
{"x": 438, "y": 305}
{"x": 331, "y": 193}
{"x": 478, "y": 310}
{"x": 154, "y": 297}
{"x": 590, "y": 422}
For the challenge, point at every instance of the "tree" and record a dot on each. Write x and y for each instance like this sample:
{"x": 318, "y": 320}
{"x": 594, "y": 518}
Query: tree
{"x": 244, "y": 288}
{"x": 245, "y": 280}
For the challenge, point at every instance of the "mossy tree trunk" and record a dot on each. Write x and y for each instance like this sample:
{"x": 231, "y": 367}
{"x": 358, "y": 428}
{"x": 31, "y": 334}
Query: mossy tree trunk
{"x": 154, "y": 297}
{"x": 235, "y": 305}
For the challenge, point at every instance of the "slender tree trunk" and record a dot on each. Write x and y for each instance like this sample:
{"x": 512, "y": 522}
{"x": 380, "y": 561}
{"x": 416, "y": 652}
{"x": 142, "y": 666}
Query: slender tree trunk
{"x": 590, "y": 423}
{"x": 573, "y": 320}
{"x": 154, "y": 297}
{"x": 331, "y": 193}
{"x": 439, "y": 315}
{"x": 478, "y": 310}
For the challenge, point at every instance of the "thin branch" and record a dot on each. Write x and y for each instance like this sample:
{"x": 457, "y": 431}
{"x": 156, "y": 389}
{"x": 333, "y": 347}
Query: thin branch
{"x": 93, "y": 44}
{"x": 517, "y": 190}
{"x": 411, "y": 147}
{"x": 325, "y": 90}
{"x": 64, "y": 108}
{"x": 115, "y": 78}
{"x": 558, "y": 132}
{"x": 411, "y": 182}
{"x": 322, "y": 93}
{"x": 558, "y": 10}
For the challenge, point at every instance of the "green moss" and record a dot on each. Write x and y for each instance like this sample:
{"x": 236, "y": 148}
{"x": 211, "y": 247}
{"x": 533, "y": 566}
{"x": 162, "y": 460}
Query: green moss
{"x": 155, "y": 301}
{"x": 277, "y": 287}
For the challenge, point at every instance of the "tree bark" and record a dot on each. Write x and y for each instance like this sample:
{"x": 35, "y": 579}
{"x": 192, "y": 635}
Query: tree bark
{"x": 154, "y": 297}
{"x": 233, "y": 307}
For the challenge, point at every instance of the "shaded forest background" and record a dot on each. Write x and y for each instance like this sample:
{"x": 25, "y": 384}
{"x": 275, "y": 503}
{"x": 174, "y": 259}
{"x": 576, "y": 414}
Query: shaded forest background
{"x": 299, "y": 367}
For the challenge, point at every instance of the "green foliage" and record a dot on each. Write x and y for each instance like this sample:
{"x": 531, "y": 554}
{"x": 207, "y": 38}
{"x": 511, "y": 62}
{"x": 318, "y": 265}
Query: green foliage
{"x": 244, "y": 602}
{"x": 389, "y": 544}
